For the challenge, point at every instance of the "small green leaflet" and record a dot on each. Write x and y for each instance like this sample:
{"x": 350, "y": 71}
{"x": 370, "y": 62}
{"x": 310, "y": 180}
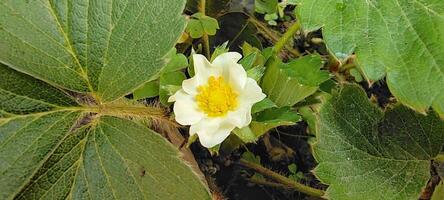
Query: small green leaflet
{"x": 265, "y": 6}
{"x": 271, "y": 118}
{"x": 201, "y": 24}
{"x": 364, "y": 153}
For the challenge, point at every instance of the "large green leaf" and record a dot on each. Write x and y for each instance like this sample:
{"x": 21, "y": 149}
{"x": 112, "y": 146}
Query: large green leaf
{"x": 108, "y": 47}
{"x": 51, "y": 148}
{"x": 399, "y": 38}
{"x": 364, "y": 153}
{"x": 21, "y": 94}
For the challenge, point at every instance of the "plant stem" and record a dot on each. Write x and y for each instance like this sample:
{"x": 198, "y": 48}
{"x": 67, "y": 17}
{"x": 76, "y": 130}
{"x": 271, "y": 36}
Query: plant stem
{"x": 282, "y": 179}
{"x": 281, "y": 43}
{"x": 205, "y": 39}
{"x": 267, "y": 183}
{"x": 270, "y": 34}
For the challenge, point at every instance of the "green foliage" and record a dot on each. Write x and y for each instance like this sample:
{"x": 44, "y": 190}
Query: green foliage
{"x": 251, "y": 157}
{"x": 271, "y": 118}
{"x": 361, "y": 149}
{"x": 61, "y": 144}
{"x": 245, "y": 134}
{"x": 288, "y": 83}
{"x": 169, "y": 81}
{"x": 262, "y": 105}
{"x": 97, "y": 51}
{"x": 294, "y": 174}
{"x": 201, "y": 24}
{"x": 399, "y": 38}
{"x": 265, "y": 6}
{"x": 219, "y": 50}
{"x": 439, "y": 192}
{"x": 148, "y": 90}
{"x": 272, "y": 9}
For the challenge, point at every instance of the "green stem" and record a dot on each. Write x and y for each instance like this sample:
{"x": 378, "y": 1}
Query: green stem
{"x": 205, "y": 39}
{"x": 281, "y": 43}
{"x": 267, "y": 183}
{"x": 282, "y": 179}
{"x": 270, "y": 34}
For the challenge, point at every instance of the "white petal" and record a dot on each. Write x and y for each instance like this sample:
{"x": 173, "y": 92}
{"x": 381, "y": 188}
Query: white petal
{"x": 205, "y": 124}
{"x": 248, "y": 118}
{"x": 203, "y": 69}
{"x": 228, "y": 57}
{"x": 210, "y": 136}
{"x": 201, "y": 64}
{"x": 252, "y": 93}
{"x": 185, "y": 109}
{"x": 216, "y": 137}
{"x": 212, "y": 131}
{"x": 237, "y": 76}
{"x": 239, "y": 117}
{"x": 172, "y": 98}
{"x": 190, "y": 85}
{"x": 233, "y": 72}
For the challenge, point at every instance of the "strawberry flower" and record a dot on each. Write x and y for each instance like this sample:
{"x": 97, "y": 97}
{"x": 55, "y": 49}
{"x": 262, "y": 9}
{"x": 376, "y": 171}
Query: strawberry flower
{"x": 217, "y": 99}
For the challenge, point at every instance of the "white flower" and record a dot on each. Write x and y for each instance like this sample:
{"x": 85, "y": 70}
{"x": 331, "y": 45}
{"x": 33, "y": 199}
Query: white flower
{"x": 217, "y": 99}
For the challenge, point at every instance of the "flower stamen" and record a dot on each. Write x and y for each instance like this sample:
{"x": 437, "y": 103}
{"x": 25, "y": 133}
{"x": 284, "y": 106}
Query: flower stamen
{"x": 217, "y": 97}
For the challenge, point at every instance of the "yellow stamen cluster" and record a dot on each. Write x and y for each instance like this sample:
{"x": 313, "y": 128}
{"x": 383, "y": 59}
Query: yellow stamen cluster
{"x": 217, "y": 97}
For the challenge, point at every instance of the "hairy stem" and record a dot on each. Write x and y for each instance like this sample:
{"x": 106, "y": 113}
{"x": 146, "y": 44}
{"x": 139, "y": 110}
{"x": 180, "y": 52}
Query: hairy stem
{"x": 281, "y": 43}
{"x": 282, "y": 179}
{"x": 270, "y": 34}
{"x": 267, "y": 183}
{"x": 205, "y": 39}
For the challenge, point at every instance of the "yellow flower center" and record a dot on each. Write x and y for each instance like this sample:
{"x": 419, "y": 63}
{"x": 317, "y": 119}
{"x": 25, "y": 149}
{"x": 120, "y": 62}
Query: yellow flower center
{"x": 217, "y": 97}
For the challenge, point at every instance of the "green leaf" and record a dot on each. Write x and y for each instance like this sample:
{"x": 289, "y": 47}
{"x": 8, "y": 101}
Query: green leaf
{"x": 201, "y": 24}
{"x": 307, "y": 70}
{"x": 309, "y": 117}
{"x": 364, "y": 153}
{"x": 272, "y": 118}
{"x": 115, "y": 158}
{"x": 245, "y": 134}
{"x": 52, "y": 148}
{"x": 210, "y": 25}
{"x": 148, "y": 90}
{"x": 22, "y": 94}
{"x": 289, "y": 83}
{"x": 399, "y": 38}
{"x": 105, "y": 47}
{"x": 251, "y": 157}
{"x": 262, "y": 105}
{"x": 26, "y": 142}
{"x": 439, "y": 191}
{"x": 356, "y": 74}
{"x": 194, "y": 28}
{"x": 256, "y": 73}
{"x": 219, "y": 50}
{"x": 169, "y": 84}
{"x": 271, "y": 17}
{"x": 293, "y": 168}
{"x": 175, "y": 61}
{"x": 265, "y": 6}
